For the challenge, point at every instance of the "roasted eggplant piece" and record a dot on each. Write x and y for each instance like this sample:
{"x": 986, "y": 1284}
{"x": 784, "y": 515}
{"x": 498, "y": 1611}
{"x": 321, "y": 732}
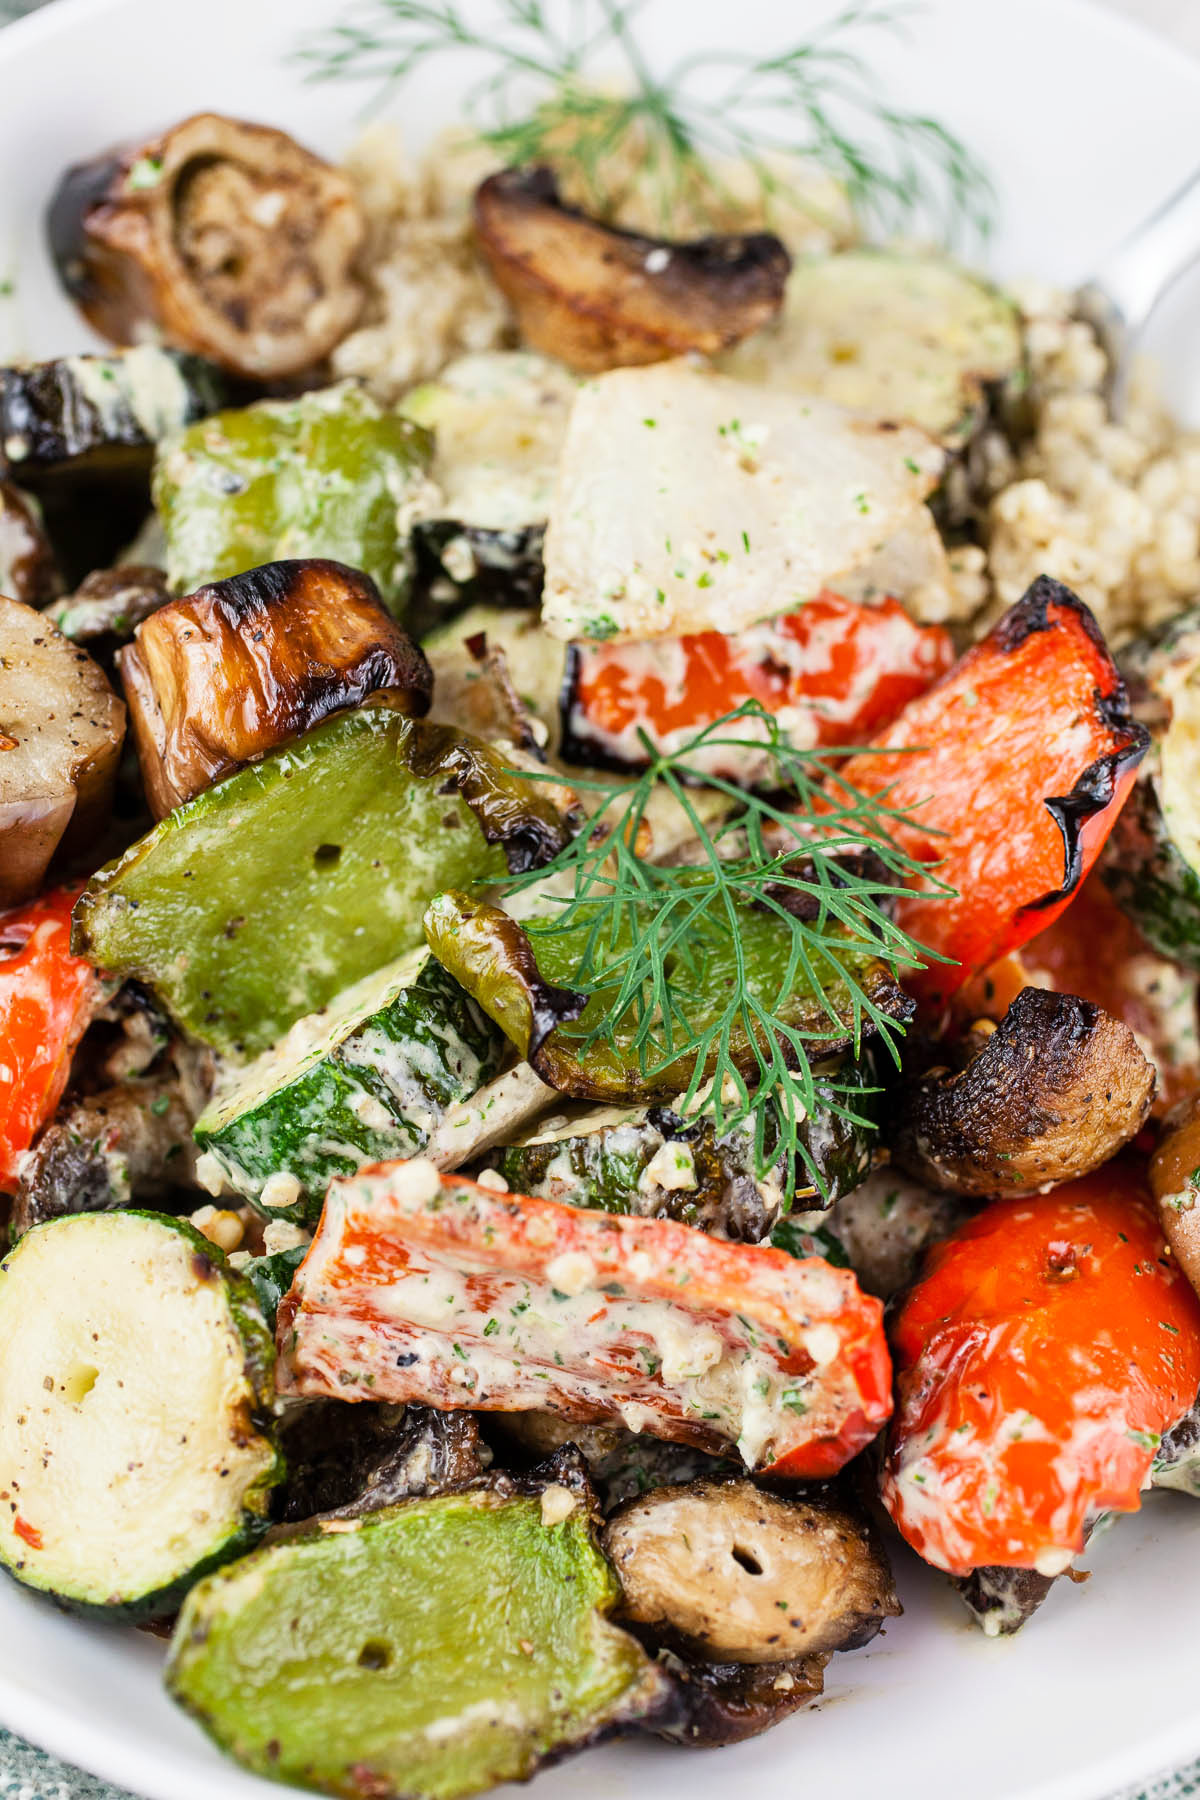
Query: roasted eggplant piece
{"x": 881, "y": 1230}
{"x": 1001, "y": 1600}
{"x": 725, "y": 1703}
{"x": 108, "y": 605}
{"x": 1049, "y": 1094}
{"x": 61, "y": 730}
{"x": 326, "y": 474}
{"x": 436, "y": 1647}
{"x": 130, "y": 1144}
{"x": 220, "y": 237}
{"x": 28, "y": 571}
{"x": 597, "y": 297}
{"x": 235, "y": 670}
{"x": 724, "y": 1571}
{"x": 343, "y": 1461}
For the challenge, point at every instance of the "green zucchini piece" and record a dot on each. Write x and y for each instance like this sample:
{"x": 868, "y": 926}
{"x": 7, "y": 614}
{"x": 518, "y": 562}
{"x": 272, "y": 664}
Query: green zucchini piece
{"x": 499, "y": 419}
{"x": 899, "y": 334}
{"x": 328, "y": 474}
{"x": 1151, "y": 863}
{"x": 136, "y": 1386}
{"x": 431, "y": 1649}
{"x": 519, "y": 975}
{"x": 271, "y": 1277}
{"x": 663, "y": 1166}
{"x": 265, "y": 897}
{"x": 368, "y": 1080}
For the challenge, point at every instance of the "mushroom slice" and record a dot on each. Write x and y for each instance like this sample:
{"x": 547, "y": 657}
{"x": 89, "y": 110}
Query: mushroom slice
{"x": 218, "y": 236}
{"x": 734, "y": 1575}
{"x": 725, "y": 1703}
{"x": 220, "y": 678}
{"x": 1050, "y": 1093}
{"x": 599, "y": 298}
{"x": 343, "y": 1461}
{"x": 1175, "y": 1184}
{"x": 27, "y": 567}
{"x": 61, "y": 730}
{"x": 108, "y": 605}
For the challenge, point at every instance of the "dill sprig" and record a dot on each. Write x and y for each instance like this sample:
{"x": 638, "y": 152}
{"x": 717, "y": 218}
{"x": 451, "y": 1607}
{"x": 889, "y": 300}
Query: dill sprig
{"x": 815, "y": 852}
{"x": 817, "y": 101}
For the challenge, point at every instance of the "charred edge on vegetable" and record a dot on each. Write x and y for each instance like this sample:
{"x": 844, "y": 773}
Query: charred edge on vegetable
{"x": 579, "y": 747}
{"x": 83, "y": 187}
{"x": 529, "y": 840}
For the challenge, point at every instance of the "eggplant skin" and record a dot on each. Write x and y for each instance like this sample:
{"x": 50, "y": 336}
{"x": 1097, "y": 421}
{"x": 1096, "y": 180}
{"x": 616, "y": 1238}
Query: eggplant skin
{"x": 598, "y": 298}
{"x": 222, "y": 677}
{"x": 343, "y": 1461}
{"x": 1049, "y": 1094}
{"x": 218, "y": 236}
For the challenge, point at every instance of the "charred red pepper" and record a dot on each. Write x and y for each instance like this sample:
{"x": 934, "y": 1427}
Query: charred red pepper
{"x": 1049, "y": 1344}
{"x": 1021, "y": 757}
{"x": 420, "y": 1287}
{"x": 46, "y": 998}
{"x": 837, "y": 668}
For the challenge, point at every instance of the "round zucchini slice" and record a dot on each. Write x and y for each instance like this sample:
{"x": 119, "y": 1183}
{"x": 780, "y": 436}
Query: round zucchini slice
{"x": 136, "y": 1383}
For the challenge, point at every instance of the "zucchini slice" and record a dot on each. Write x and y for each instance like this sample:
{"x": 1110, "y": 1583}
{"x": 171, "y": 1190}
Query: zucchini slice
{"x": 1151, "y": 863}
{"x": 268, "y": 895}
{"x": 136, "y": 1384}
{"x": 899, "y": 334}
{"x": 430, "y": 1649}
{"x": 499, "y": 419}
{"x": 368, "y": 1080}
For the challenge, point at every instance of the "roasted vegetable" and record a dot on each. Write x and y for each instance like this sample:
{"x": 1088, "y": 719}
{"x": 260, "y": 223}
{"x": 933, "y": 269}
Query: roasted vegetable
{"x": 519, "y": 980}
{"x": 28, "y": 571}
{"x": 1047, "y": 1347}
{"x": 1152, "y": 862}
{"x": 832, "y": 673}
{"x": 433, "y": 1648}
{"x": 720, "y": 1570}
{"x": 217, "y": 236}
{"x": 498, "y": 419}
{"x": 106, "y": 606}
{"x": 1020, "y": 760}
{"x": 534, "y": 661}
{"x": 343, "y": 1461}
{"x": 756, "y": 504}
{"x": 61, "y": 729}
{"x": 131, "y": 1142}
{"x": 271, "y": 1276}
{"x": 135, "y": 1433}
{"x": 881, "y": 1230}
{"x": 327, "y": 474}
{"x": 368, "y": 1079}
{"x": 597, "y": 297}
{"x": 46, "y": 1001}
{"x": 899, "y": 334}
{"x": 1050, "y": 1093}
{"x": 270, "y": 894}
{"x": 1177, "y": 1463}
{"x": 240, "y": 667}
{"x": 725, "y": 1703}
{"x": 1001, "y": 1600}
{"x": 641, "y": 1321}
{"x": 1175, "y": 1184}
{"x": 659, "y": 1165}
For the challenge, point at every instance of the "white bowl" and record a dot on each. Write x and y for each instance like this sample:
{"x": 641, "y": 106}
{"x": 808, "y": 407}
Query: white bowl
{"x": 1087, "y": 123}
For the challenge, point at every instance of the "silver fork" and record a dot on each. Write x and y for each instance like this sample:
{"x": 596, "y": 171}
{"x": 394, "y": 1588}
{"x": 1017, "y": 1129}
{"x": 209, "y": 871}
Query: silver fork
{"x": 1124, "y": 291}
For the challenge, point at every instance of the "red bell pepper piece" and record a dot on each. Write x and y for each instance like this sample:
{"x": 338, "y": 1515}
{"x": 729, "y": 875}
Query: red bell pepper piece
{"x": 1049, "y": 1344}
{"x": 420, "y": 1287}
{"x": 1022, "y": 756}
{"x": 840, "y": 669}
{"x": 46, "y": 1001}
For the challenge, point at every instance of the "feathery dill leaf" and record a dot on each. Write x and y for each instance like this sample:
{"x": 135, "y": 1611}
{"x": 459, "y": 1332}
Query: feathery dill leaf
{"x": 816, "y": 853}
{"x": 536, "y": 101}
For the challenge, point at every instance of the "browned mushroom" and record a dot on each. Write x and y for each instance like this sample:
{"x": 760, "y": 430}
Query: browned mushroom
{"x": 218, "y": 236}
{"x": 725, "y": 1703}
{"x": 108, "y": 606}
{"x": 61, "y": 730}
{"x": 598, "y": 298}
{"x": 1175, "y": 1184}
{"x": 725, "y": 1572}
{"x": 229, "y": 673}
{"x": 346, "y": 1460}
{"x": 27, "y": 566}
{"x": 1051, "y": 1092}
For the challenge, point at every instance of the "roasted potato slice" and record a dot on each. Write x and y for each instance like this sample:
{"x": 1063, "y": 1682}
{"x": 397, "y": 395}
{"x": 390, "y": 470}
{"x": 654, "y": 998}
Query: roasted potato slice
{"x": 598, "y": 298}
{"x": 220, "y": 678}
{"x": 1050, "y": 1093}
{"x": 218, "y": 236}
{"x": 723, "y": 1571}
{"x": 61, "y": 730}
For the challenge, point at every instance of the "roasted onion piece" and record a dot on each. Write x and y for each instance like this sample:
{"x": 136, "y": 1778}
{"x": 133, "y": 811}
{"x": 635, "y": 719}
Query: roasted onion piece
{"x": 598, "y": 298}
{"x": 61, "y": 730}
{"x": 225, "y": 675}
{"x": 218, "y": 236}
{"x": 1049, "y": 1094}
